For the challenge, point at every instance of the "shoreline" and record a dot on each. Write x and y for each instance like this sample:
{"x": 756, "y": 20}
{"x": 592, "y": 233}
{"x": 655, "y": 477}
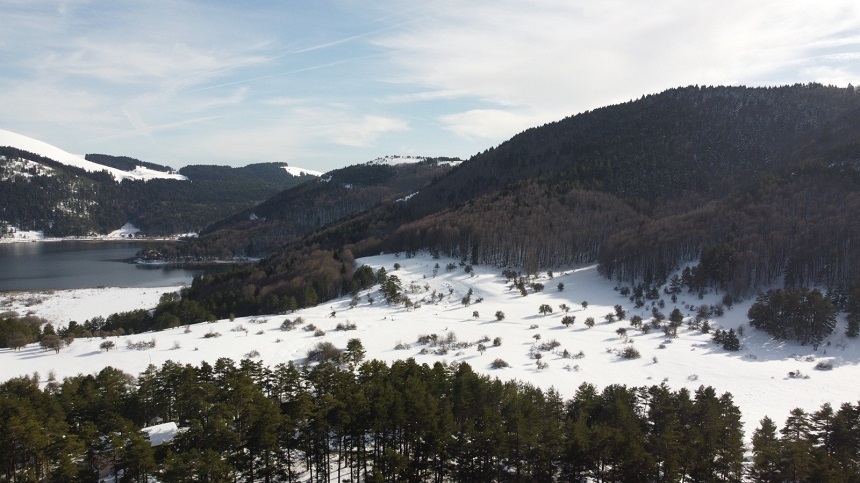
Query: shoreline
{"x": 174, "y": 238}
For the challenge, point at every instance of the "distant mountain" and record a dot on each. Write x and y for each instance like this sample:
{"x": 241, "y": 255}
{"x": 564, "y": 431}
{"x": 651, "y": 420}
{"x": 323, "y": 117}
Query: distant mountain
{"x": 751, "y": 186}
{"x": 45, "y": 150}
{"x": 45, "y": 188}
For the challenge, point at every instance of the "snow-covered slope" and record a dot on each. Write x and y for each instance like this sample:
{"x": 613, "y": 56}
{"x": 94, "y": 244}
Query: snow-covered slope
{"x": 301, "y": 171}
{"x": 758, "y": 376}
{"x": 19, "y": 141}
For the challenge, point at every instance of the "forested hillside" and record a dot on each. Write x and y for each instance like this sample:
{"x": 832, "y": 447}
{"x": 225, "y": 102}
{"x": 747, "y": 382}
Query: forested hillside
{"x": 37, "y": 193}
{"x": 761, "y": 180}
{"x": 297, "y": 211}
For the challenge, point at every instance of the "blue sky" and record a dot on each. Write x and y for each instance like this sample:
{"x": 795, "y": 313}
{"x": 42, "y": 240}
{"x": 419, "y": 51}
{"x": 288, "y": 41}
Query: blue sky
{"x": 328, "y": 83}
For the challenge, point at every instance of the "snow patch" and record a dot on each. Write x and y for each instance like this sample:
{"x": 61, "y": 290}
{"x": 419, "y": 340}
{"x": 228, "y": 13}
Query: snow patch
{"x": 405, "y": 198}
{"x": 302, "y": 171}
{"x": 127, "y": 231}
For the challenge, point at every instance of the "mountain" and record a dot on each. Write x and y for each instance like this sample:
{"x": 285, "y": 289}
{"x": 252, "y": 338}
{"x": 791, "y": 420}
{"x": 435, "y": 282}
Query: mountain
{"x": 45, "y": 150}
{"x": 301, "y": 209}
{"x": 749, "y": 186}
{"x": 43, "y": 188}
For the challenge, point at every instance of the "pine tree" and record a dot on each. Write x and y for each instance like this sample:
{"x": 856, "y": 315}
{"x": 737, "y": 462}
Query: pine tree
{"x": 766, "y": 449}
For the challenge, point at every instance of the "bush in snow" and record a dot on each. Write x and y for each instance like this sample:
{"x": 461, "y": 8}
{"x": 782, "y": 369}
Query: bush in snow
{"x": 323, "y": 352}
{"x": 629, "y": 352}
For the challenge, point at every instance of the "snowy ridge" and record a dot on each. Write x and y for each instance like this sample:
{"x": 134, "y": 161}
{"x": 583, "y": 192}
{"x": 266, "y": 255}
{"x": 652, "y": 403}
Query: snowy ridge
{"x": 19, "y": 141}
{"x": 762, "y": 377}
{"x": 395, "y": 159}
{"x": 302, "y": 171}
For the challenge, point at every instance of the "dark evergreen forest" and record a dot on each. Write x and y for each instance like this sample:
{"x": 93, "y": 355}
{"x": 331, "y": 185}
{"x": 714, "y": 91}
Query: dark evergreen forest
{"x": 349, "y": 420}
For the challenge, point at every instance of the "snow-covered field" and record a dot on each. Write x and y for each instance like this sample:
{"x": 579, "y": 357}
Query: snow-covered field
{"x": 757, "y": 375}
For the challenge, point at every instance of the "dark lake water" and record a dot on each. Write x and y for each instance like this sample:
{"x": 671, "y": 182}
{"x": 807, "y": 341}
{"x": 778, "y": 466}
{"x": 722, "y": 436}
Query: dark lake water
{"x": 79, "y": 264}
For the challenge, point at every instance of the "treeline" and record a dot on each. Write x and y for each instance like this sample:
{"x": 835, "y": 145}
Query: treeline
{"x": 125, "y": 163}
{"x": 404, "y": 422}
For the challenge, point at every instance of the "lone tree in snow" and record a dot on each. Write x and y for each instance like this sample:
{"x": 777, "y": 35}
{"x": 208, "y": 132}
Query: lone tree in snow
{"x": 545, "y": 309}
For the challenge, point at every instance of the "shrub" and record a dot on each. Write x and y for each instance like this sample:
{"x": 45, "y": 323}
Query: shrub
{"x": 589, "y": 322}
{"x": 629, "y": 352}
{"x": 401, "y": 346}
{"x": 549, "y": 345}
{"x": 141, "y": 345}
{"x": 319, "y": 333}
{"x": 211, "y": 335}
{"x": 347, "y": 326}
{"x": 499, "y": 364}
{"x": 824, "y": 365}
{"x": 323, "y": 352}
{"x": 254, "y": 353}
{"x": 107, "y": 345}
{"x": 497, "y": 342}
{"x": 288, "y": 324}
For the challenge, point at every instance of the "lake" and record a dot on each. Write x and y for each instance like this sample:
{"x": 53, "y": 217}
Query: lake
{"x": 81, "y": 264}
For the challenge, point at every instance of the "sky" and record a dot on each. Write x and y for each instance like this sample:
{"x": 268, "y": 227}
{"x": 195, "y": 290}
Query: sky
{"x": 327, "y": 83}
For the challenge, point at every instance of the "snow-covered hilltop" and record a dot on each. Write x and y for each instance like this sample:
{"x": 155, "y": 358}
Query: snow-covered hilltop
{"x": 301, "y": 171}
{"x": 397, "y": 159}
{"x": 25, "y": 143}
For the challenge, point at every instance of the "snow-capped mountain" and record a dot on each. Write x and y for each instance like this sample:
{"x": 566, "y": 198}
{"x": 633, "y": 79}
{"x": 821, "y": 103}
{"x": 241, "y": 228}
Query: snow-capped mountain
{"x": 25, "y": 143}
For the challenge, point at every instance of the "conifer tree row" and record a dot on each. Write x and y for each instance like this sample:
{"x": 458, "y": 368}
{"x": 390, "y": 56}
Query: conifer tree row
{"x": 403, "y": 422}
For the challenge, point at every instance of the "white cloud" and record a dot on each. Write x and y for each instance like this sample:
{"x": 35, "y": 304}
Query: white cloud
{"x": 486, "y": 123}
{"x": 540, "y": 61}
{"x": 364, "y": 132}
